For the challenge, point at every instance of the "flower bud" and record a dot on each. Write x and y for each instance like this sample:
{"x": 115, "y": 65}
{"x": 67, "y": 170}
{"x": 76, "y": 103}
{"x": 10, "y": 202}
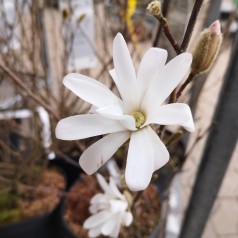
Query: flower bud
{"x": 154, "y": 8}
{"x": 206, "y": 49}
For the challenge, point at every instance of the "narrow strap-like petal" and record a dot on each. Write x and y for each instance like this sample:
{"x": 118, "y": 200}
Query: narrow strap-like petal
{"x": 125, "y": 72}
{"x": 94, "y": 208}
{"x": 185, "y": 109}
{"x": 97, "y": 219}
{"x": 160, "y": 152}
{"x": 140, "y": 161}
{"x": 111, "y": 228}
{"x": 169, "y": 114}
{"x": 90, "y": 90}
{"x": 95, "y": 231}
{"x": 85, "y": 126}
{"x": 112, "y": 72}
{"x": 104, "y": 185}
{"x": 172, "y": 114}
{"x": 115, "y": 189}
{"x": 101, "y": 151}
{"x": 165, "y": 81}
{"x": 152, "y": 62}
{"x": 127, "y": 218}
{"x": 111, "y": 112}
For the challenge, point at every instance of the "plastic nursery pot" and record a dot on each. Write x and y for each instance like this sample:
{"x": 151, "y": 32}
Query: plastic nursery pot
{"x": 75, "y": 207}
{"x": 71, "y": 171}
{"x": 69, "y": 228}
{"x": 39, "y": 226}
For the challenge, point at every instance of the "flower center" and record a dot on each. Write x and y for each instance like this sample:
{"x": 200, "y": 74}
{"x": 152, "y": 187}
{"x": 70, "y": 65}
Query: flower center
{"x": 139, "y": 119}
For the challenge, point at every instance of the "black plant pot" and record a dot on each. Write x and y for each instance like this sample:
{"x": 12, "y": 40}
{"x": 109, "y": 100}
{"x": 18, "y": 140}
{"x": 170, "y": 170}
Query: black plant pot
{"x": 37, "y": 227}
{"x": 72, "y": 172}
{"x": 63, "y": 230}
{"x": 45, "y": 226}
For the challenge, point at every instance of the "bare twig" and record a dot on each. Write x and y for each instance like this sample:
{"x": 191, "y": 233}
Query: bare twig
{"x": 165, "y": 9}
{"x": 23, "y": 86}
{"x": 191, "y": 24}
{"x": 187, "y": 37}
{"x": 171, "y": 39}
{"x": 183, "y": 86}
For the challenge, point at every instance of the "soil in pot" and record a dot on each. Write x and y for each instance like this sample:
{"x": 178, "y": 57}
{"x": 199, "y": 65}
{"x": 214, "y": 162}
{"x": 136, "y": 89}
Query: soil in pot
{"x": 146, "y": 210}
{"x": 31, "y": 201}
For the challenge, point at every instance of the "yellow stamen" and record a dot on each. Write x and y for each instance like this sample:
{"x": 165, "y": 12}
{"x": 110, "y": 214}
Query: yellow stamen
{"x": 139, "y": 119}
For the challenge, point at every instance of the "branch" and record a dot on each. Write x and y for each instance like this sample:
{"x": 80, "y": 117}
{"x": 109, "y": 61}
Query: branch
{"x": 165, "y": 9}
{"x": 23, "y": 86}
{"x": 183, "y": 86}
{"x": 191, "y": 24}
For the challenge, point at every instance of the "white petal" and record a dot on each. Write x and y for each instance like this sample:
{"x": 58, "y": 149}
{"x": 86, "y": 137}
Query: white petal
{"x": 97, "y": 198}
{"x": 127, "y": 219}
{"x": 95, "y": 208}
{"x": 90, "y": 90}
{"x": 96, "y": 219}
{"x": 170, "y": 114}
{"x": 112, "y": 113}
{"x": 125, "y": 72}
{"x": 153, "y": 60}
{"x": 160, "y": 152}
{"x": 112, "y": 227}
{"x": 189, "y": 125}
{"x": 86, "y": 125}
{"x": 118, "y": 206}
{"x": 104, "y": 185}
{"x": 95, "y": 231}
{"x": 114, "y": 172}
{"x": 101, "y": 151}
{"x": 140, "y": 161}
{"x": 165, "y": 81}
{"x": 115, "y": 189}
{"x": 112, "y": 72}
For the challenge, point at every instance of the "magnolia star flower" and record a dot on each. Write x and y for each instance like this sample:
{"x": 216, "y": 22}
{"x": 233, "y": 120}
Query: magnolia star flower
{"x": 109, "y": 211}
{"x": 130, "y": 116}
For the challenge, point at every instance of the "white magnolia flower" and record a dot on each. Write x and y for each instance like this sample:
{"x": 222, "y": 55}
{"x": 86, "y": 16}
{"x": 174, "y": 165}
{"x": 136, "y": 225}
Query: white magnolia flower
{"x": 140, "y": 105}
{"x": 109, "y": 211}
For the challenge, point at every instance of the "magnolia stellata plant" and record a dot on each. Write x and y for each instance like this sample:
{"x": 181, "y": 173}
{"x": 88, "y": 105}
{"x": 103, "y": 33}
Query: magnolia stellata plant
{"x": 130, "y": 116}
{"x": 141, "y": 104}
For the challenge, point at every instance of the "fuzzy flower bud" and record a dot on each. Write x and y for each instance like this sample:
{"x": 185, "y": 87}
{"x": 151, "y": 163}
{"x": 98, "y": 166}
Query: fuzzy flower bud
{"x": 154, "y": 8}
{"x": 207, "y": 49}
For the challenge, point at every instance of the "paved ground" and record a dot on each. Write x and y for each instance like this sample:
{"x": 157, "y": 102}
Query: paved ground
{"x": 223, "y": 221}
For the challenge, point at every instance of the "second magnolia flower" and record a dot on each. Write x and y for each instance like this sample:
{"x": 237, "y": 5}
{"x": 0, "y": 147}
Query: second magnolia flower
{"x": 129, "y": 116}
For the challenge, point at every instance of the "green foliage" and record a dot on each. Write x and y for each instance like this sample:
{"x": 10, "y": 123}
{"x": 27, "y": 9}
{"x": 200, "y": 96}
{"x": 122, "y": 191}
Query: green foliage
{"x": 8, "y": 199}
{"x": 9, "y": 211}
{"x": 9, "y": 215}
